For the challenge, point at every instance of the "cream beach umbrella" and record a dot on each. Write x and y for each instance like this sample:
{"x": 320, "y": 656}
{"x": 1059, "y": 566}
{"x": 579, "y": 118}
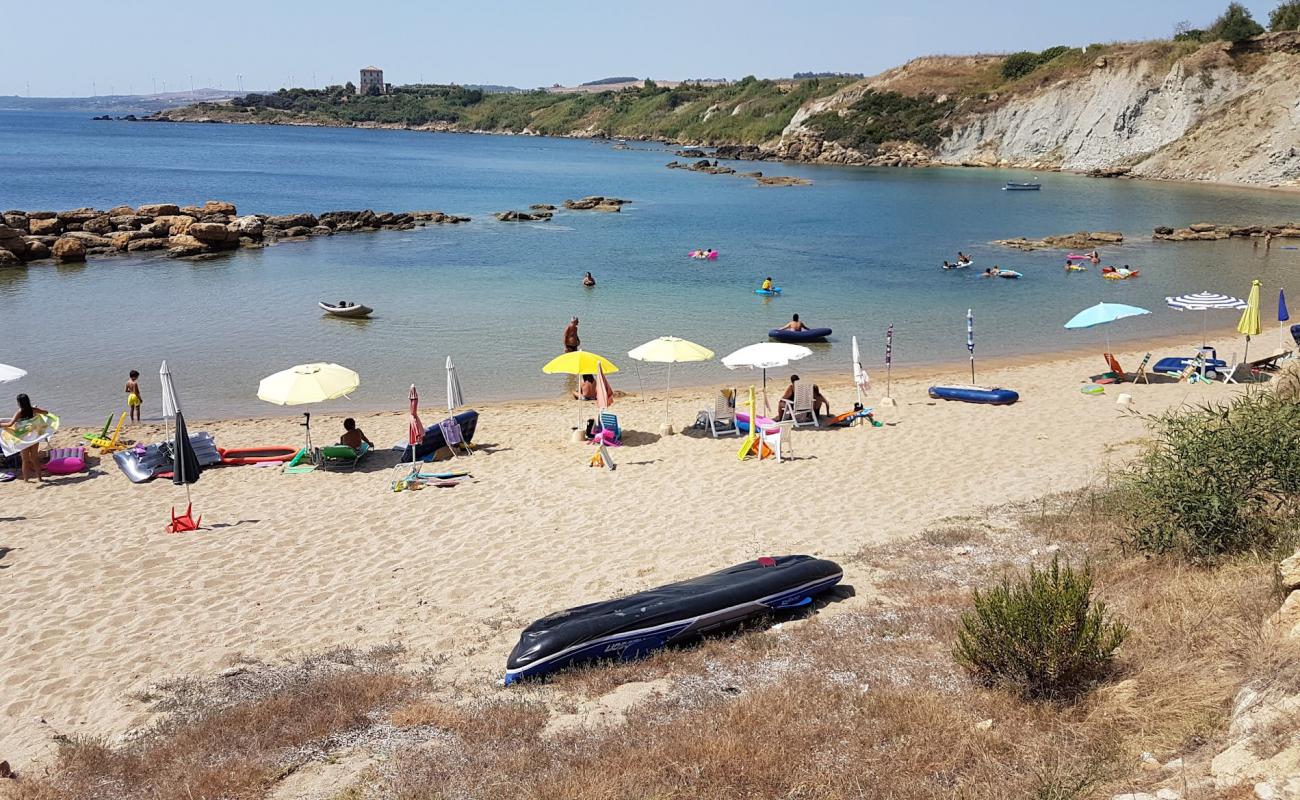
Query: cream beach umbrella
{"x": 670, "y": 350}
{"x": 765, "y": 356}
{"x": 8, "y": 373}
{"x": 861, "y": 381}
{"x": 306, "y": 384}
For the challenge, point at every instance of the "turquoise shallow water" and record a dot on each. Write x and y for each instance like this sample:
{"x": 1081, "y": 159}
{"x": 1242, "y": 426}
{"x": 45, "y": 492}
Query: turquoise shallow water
{"x": 856, "y": 251}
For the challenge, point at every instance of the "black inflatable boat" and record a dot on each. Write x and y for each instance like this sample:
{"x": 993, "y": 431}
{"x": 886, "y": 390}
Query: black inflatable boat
{"x": 633, "y": 626}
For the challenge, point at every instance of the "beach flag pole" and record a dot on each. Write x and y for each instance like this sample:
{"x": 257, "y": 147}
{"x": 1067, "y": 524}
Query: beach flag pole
{"x": 888, "y": 399}
{"x": 970, "y": 342}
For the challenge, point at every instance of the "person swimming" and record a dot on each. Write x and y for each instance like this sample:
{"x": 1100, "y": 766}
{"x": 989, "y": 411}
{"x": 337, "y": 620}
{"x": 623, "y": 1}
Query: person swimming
{"x": 992, "y": 272}
{"x": 587, "y": 280}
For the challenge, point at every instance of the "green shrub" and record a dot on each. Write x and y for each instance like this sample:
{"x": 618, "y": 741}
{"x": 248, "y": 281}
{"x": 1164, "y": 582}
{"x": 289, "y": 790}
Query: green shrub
{"x": 1217, "y": 479}
{"x": 1042, "y": 636}
{"x": 1053, "y": 53}
{"x": 881, "y": 117}
{"x": 1235, "y": 25}
{"x": 1286, "y": 17}
{"x": 1020, "y": 64}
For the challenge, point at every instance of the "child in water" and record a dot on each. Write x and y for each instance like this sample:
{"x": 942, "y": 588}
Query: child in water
{"x": 767, "y": 284}
{"x": 133, "y": 399}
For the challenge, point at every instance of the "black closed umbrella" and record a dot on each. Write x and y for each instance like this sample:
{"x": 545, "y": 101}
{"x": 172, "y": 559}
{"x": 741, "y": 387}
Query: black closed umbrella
{"x": 185, "y": 462}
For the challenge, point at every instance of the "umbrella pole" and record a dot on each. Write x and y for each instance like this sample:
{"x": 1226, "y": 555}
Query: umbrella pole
{"x": 972, "y": 370}
{"x": 668, "y": 393}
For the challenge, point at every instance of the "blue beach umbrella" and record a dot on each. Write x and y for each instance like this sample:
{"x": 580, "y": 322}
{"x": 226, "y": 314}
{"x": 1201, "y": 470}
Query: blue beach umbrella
{"x": 1282, "y": 317}
{"x": 1101, "y": 314}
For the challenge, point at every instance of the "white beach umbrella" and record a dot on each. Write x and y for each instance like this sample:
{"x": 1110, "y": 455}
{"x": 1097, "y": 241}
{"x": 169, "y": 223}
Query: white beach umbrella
{"x": 765, "y": 356}
{"x": 170, "y": 404}
{"x": 8, "y": 373}
{"x": 860, "y": 378}
{"x": 455, "y": 397}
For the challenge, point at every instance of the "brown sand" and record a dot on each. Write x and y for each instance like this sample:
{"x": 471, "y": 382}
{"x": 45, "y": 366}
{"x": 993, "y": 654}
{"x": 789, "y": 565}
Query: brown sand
{"x": 99, "y": 602}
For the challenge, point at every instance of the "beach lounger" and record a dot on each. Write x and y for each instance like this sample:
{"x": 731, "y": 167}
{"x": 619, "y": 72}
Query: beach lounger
{"x": 340, "y": 455}
{"x": 609, "y": 422}
{"x": 453, "y": 437}
{"x": 801, "y": 406}
{"x": 722, "y": 420}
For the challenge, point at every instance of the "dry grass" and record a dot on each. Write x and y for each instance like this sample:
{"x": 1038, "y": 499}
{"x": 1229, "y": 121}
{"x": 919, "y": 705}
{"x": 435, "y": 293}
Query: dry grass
{"x": 861, "y": 700}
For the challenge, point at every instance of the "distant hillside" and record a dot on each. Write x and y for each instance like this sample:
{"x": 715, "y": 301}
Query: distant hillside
{"x": 117, "y": 103}
{"x": 744, "y": 112}
{"x": 605, "y": 81}
{"x": 1185, "y": 110}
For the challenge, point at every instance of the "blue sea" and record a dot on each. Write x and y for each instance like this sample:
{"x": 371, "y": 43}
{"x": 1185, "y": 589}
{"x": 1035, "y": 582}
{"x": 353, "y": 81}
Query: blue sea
{"x": 857, "y": 251}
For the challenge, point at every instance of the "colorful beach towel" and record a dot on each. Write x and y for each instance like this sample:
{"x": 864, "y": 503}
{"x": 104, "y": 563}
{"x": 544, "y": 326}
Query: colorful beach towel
{"x": 27, "y": 432}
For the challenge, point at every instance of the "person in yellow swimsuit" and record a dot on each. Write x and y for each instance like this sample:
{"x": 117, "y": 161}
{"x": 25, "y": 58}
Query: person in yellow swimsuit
{"x": 133, "y": 399}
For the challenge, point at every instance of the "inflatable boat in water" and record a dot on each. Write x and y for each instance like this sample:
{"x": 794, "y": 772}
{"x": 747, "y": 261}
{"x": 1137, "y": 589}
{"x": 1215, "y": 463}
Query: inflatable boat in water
{"x": 795, "y": 337}
{"x": 353, "y": 311}
{"x": 636, "y": 625}
{"x": 975, "y": 394}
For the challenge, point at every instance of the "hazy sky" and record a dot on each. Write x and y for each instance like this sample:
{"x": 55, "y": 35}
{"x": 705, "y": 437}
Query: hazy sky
{"x": 79, "y": 47}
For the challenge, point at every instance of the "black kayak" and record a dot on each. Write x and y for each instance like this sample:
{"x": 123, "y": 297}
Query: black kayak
{"x": 633, "y": 626}
{"x": 805, "y": 335}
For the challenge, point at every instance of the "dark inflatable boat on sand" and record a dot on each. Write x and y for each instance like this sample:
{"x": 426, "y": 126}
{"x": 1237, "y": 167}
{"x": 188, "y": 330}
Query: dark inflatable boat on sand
{"x": 634, "y": 626}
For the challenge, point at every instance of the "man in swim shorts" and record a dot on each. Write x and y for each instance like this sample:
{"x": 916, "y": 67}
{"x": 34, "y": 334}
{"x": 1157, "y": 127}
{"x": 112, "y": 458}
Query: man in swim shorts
{"x": 571, "y": 340}
{"x": 794, "y": 325}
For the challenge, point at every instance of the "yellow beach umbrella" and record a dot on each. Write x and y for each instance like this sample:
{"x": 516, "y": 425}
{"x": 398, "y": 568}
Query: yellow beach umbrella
{"x": 579, "y": 362}
{"x": 670, "y": 350}
{"x": 1248, "y": 326}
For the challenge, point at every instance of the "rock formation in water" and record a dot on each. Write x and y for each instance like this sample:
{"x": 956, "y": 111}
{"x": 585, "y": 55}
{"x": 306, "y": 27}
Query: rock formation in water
{"x": 71, "y": 236}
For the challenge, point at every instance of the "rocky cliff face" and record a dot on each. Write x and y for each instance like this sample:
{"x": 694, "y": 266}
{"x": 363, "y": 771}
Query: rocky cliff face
{"x": 1211, "y": 115}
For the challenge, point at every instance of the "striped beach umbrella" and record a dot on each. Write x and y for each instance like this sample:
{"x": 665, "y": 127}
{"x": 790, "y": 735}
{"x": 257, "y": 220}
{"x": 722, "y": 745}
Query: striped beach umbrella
{"x": 970, "y": 341}
{"x": 1205, "y": 301}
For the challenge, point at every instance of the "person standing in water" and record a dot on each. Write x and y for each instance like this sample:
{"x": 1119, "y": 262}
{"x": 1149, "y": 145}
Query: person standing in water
{"x": 588, "y": 281}
{"x": 133, "y": 398}
{"x": 571, "y": 340}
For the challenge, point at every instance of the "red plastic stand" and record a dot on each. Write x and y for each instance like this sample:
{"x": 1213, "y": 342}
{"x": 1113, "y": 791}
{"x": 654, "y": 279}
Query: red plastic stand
{"x": 184, "y": 522}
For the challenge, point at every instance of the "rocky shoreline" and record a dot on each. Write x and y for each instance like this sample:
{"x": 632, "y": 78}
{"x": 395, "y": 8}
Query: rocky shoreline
{"x": 714, "y": 168}
{"x": 180, "y": 231}
{"x": 543, "y": 212}
{"x": 1212, "y": 231}
{"x": 1069, "y": 241}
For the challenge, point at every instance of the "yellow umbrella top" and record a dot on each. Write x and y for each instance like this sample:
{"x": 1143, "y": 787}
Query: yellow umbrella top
{"x": 671, "y": 350}
{"x": 579, "y": 362}
{"x": 1249, "y": 324}
{"x": 308, "y": 383}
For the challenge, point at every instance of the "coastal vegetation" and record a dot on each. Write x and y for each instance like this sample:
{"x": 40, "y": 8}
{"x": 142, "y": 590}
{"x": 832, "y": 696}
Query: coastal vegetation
{"x": 747, "y": 111}
{"x": 881, "y": 117}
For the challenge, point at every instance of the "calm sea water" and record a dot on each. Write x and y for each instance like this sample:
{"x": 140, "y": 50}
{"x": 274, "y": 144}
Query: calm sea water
{"x": 856, "y": 251}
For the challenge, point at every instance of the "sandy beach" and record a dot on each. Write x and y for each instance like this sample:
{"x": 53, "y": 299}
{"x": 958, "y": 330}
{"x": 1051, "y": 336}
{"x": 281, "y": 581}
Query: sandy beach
{"x": 99, "y": 602}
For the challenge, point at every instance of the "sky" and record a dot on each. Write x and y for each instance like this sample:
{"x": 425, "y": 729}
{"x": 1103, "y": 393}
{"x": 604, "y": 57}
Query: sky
{"x": 140, "y": 47}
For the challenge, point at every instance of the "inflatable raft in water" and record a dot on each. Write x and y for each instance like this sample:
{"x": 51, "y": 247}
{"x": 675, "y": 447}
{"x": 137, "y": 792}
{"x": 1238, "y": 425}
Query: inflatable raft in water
{"x": 795, "y": 337}
{"x": 975, "y": 394}
{"x": 354, "y": 311}
{"x": 636, "y": 625}
{"x": 775, "y": 290}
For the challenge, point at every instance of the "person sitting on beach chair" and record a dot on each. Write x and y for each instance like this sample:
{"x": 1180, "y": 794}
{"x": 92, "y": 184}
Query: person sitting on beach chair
{"x": 352, "y": 435}
{"x": 818, "y": 400}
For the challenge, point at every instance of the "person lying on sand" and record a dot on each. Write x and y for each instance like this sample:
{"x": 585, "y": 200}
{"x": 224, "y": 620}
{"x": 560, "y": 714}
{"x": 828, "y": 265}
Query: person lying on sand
{"x": 587, "y": 389}
{"x": 353, "y": 436}
{"x": 819, "y": 401}
{"x": 794, "y": 325}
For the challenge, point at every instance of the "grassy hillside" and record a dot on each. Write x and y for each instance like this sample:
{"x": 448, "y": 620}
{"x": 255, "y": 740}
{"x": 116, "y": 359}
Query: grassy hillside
{"x": 749, "y": 111}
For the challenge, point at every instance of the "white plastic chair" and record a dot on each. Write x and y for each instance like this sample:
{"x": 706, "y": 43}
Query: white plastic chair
{"x": 801, "y": 406}
{"x": 722, "y": 419}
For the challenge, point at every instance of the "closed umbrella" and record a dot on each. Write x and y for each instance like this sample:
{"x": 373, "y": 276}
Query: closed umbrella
{"x": 670, "y": 350}
{"x": 888, "y": 399}
{"x": 306, "y": 384}
{"x": 8, "y": 373}
{"x": 455, "y": 398}
{"x": 1248, "y": 325}
{"x": 604, "y": 392}
{"x": 1283, "y": 316}
{"x": 765, "y": 356}
{"x": 185, "y": 462}
{"x": 415, "y": 430}
{"x": 1204, "y": 301}
{"x": 1102, "y": 314}
{"x": 861, "y": 380}
{"x": 970, "y": 341}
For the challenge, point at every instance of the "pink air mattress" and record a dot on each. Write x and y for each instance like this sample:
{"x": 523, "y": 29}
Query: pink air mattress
{"x": 766, "y": 425}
